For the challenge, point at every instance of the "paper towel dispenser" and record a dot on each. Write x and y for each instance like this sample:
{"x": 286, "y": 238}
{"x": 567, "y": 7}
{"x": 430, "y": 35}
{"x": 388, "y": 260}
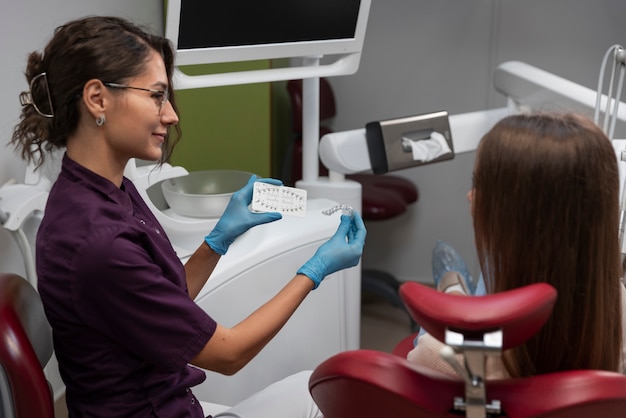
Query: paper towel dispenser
{"x": 410, "y": 141}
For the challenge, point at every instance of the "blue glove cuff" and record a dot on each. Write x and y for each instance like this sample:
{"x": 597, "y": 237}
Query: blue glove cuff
{"x": 312, "y": 269}
{"x": 215, "y": 243}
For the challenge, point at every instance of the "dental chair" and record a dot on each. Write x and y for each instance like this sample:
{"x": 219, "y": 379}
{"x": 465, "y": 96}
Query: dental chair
{"x": 25, "y": 349}
{"x": 371, "y": 384}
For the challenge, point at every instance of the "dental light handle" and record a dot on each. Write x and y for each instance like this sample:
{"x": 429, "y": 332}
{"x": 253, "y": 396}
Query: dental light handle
{"x": 620, "y": 84}
{"x": 610, "y": 115}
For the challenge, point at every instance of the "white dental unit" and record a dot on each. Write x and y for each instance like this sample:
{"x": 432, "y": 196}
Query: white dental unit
{"x": 258, "y": 264}
{"x": 265, "y": 257}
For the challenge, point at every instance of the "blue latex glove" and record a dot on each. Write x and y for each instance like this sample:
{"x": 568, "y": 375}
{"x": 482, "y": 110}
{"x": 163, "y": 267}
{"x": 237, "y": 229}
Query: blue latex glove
{"x": 342, "y": 250}
{"x": 237, "y": 218}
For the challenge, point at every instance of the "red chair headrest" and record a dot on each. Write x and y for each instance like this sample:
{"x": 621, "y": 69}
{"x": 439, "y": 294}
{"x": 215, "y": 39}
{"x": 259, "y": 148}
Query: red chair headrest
{"x": 520, "y": 313}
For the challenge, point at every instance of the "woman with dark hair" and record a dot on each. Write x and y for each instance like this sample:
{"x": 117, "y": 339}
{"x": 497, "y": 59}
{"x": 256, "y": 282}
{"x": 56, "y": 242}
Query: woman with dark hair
{"x": 545, "y": 208}
{"x": 126, "y": 329}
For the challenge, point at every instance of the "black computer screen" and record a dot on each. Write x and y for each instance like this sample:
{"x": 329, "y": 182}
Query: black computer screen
{"x": 225, "y": 23}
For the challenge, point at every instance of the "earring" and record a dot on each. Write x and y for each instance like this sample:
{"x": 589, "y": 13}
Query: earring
{"x": 100, "y": 120}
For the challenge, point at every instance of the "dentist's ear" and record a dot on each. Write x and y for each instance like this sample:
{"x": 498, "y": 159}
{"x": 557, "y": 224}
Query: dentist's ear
{"x": 95, "y": 97}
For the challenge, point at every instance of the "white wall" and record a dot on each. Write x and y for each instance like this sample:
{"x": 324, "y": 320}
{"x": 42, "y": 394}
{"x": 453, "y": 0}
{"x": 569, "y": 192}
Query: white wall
{"x": 25, "y": 26}
{"x": 429, "y": 55}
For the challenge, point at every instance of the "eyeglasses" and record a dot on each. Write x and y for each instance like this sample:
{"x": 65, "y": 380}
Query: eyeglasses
{"x": 161, "y": 96}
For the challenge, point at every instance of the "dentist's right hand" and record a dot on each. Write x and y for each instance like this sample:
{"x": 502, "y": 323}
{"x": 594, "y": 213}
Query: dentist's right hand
{"x": 341, "y": 251}
{"x": 237, "y": 218}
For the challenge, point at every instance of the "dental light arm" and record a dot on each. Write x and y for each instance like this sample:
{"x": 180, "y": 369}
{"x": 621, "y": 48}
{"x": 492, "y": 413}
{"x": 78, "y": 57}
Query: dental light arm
{"x": 348, "y": 152}
{"x": 345, "y": 152}
{"x": 389, "y": 145}
{"x": 531, "y": 88}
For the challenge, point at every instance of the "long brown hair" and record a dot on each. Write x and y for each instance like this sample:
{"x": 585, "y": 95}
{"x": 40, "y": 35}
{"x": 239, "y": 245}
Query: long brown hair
{"x": 546, "y": 209}
{"x": 107, "y": 48}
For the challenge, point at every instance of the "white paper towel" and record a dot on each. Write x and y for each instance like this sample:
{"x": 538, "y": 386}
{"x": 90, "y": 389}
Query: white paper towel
{"x": 428, "y": 149}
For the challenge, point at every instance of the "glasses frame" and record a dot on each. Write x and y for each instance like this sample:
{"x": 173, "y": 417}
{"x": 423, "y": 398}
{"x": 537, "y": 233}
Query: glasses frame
{"x": 165, "y": 93}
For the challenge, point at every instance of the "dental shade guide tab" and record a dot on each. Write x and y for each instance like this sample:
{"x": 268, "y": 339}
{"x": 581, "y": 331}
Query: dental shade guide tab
{"x": 272, "y": 198}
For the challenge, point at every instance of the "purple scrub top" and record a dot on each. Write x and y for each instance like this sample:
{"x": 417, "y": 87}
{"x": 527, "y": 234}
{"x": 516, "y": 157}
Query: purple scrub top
{"x": 115, "y": 294}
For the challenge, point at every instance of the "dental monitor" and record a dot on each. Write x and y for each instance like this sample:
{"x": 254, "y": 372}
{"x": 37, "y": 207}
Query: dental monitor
{"x": 246, "y": 30}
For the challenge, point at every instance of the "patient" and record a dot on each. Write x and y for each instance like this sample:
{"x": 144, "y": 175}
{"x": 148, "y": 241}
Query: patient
{"x": 545, "y": 207}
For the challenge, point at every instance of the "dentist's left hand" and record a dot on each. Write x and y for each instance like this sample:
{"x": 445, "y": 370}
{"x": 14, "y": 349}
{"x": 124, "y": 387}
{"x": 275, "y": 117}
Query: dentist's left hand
{"x": 237, "y": 218}
{"x": 341, "y": 251}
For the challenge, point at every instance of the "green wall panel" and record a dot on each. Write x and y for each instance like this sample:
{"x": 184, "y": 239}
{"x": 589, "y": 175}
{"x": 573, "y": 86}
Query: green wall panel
{"x": 225, "y": 127}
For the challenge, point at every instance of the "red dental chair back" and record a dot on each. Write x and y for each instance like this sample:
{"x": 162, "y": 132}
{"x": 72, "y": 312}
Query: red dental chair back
{"x": 25, "y": 348}
{"x": 371, "y": 384}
